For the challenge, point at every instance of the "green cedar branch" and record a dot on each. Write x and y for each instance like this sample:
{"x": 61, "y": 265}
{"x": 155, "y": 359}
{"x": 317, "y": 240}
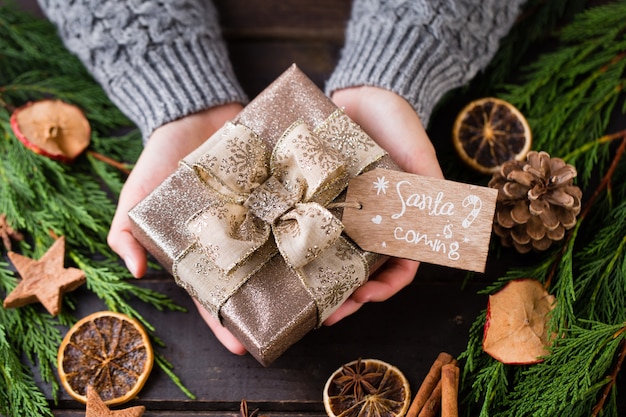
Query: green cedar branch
{"x": 569, "y": 96}
{"x": 613, "y": 377}
{"x": 43, "y": 198}
{"x": 490, "y": 380}
{"x": 563, "y": 393}
{"x": 33, "y": 335}
{"x": 537, "y": 22}
{"x": 19, "y": 394}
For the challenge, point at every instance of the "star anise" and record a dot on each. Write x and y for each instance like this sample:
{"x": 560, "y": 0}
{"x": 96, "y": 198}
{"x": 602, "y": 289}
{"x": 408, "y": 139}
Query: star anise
{"x": 367, "y": 388}
{"x": 359, "y": 380}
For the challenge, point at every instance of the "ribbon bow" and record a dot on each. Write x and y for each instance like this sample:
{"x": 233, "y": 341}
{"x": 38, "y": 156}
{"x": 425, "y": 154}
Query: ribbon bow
{"x": 260, "y": 204}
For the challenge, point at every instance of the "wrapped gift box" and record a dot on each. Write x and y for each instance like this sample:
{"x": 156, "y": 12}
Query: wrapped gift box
{"x": 249, "y": 224}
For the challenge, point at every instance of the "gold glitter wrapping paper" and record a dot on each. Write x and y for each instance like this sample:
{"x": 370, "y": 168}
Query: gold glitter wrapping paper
{"x": 272, "y": 310}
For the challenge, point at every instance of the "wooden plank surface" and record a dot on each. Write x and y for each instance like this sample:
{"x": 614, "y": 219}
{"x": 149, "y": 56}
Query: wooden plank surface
{"x": 432, "y": 314}
{"x": 286, "y": 19}
{"x": 265, "y": 38}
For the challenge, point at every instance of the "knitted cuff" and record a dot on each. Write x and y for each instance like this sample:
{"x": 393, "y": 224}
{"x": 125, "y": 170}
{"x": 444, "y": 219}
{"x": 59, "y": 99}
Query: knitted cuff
{"x": 173, "y": 81}
{"x": 420, "y": 61}
{"x": 157, "y": 61}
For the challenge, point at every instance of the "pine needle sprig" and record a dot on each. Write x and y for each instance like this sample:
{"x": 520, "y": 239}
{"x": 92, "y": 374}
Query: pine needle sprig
{"x": 43, "y": 199}
{"x": 572, "y": 375}
{"x": 560, "y": 281}
{"x": 568, "y": 95}
{"x": 27, "y": 43}
{"x": 43, "y": 196}
{"x": 167, "y": 367}
{"x": 111, "y": 180}
{"x": 487, "y": 378}
{"x": 19, "y": 394}
{"x": 40, "y": 340}
{"x": 31, "y": 334}
{"x": 601, "y": 281}
{"x": 600, "y": 288}
{"x": 538, "y": 21}
{"x": 110, "y": 282}
{"x": 492, "y": 382}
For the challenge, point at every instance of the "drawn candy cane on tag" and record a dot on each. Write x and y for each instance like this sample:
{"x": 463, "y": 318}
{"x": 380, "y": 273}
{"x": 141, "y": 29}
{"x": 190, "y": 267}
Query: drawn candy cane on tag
{"x": 477, "y": 204}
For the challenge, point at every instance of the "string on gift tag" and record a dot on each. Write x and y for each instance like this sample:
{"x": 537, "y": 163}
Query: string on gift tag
{"x": 354, "y": 204}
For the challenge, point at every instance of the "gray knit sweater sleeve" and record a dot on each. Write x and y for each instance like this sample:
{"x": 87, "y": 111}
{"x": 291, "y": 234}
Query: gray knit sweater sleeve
{"x": 421, "y": 49}
{"x": 156, "y": 60}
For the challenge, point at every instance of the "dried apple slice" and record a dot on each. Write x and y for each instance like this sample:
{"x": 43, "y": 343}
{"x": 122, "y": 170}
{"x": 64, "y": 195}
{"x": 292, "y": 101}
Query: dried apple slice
{"x": 52, "y": 128}
{"x": 516, "y": 329}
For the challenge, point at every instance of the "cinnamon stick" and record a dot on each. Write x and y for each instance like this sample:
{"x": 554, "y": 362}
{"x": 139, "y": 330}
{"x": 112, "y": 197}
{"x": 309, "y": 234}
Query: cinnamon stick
{"x": 450, "y": 390}
{"x": 429, "y": 385}
{"x": 433, "y": 403}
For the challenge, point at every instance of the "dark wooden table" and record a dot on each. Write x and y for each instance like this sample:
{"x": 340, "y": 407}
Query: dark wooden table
{"x": 431, "y": 315}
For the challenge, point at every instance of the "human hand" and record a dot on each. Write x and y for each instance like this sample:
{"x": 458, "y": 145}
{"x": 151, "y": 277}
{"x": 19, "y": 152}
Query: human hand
{"x": 393, "y": 124}
{"x": 167, "y": 145}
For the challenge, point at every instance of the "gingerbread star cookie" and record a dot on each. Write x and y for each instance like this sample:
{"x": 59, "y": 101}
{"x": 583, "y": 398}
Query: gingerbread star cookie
{"x": 44, "y": 280}
{"x": 97, "y": 408}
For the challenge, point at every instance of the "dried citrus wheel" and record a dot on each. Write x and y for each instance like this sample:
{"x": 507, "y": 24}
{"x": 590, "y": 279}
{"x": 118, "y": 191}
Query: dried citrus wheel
{"x": 109, "y": 351}
{"x": 367, "y": 387}
{"x": 490, "y": 131}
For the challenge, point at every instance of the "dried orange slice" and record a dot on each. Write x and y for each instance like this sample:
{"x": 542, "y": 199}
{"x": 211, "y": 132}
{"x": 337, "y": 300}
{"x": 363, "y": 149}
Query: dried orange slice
{"x": 109, "y": 351}
{"x": 367, "y": 387}
{"x": 489, "y": 132}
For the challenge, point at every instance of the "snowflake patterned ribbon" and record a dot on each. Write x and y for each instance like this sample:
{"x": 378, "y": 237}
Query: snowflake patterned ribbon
{"x": 261, "y": 204}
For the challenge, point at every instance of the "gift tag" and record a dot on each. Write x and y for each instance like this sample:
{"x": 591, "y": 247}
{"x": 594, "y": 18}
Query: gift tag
{"x": 421, "y": 218}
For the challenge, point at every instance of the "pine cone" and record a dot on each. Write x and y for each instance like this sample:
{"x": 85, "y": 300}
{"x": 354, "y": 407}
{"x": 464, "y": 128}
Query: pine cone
{"x": 537, "y": 201}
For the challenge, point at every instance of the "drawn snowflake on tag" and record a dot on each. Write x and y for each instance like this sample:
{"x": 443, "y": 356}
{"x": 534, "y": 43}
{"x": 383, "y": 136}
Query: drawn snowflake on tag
{"x": 380, "y": 185}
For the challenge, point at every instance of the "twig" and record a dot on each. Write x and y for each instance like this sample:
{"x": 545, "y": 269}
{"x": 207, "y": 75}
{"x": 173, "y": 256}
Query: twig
{"x": 604, "y": 183}
{"x": 125, "y": 168}
{"x": 600, "y": 141}
{"x": 612, "y": 379}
